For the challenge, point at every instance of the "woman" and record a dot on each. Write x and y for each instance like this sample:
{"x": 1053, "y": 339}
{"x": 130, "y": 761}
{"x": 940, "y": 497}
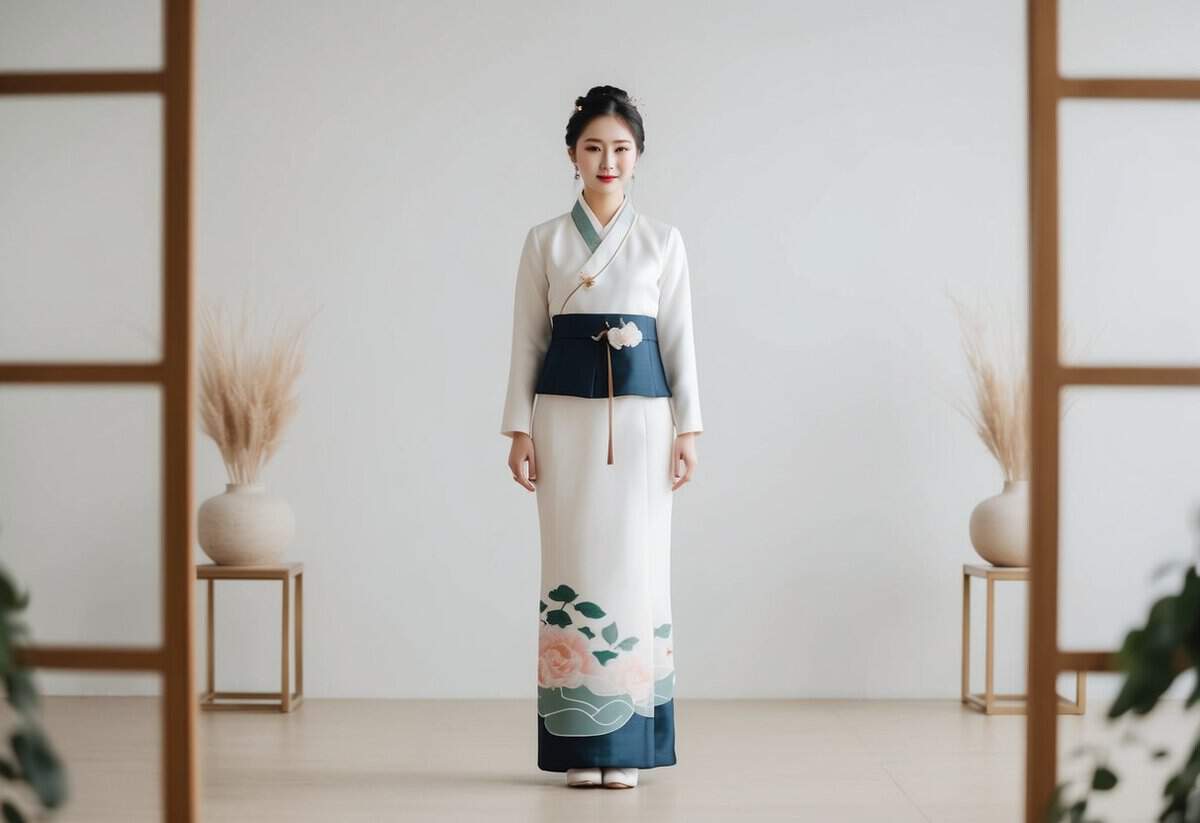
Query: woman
{"x": 602, "y": 335}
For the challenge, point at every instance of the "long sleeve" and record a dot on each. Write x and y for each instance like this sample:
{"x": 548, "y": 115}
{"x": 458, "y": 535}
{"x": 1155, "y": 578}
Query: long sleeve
{"x": 675, "y": 339}
{"x": 530, "y": 338}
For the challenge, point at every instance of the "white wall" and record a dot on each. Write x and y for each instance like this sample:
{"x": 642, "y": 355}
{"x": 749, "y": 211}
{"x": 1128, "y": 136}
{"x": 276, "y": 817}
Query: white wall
{"x": 833, "y": 168}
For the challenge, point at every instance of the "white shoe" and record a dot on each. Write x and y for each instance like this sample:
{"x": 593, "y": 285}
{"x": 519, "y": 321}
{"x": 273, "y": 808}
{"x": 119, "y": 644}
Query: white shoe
{"x": 583, "y": 777}
{"x": 620, "y": 778}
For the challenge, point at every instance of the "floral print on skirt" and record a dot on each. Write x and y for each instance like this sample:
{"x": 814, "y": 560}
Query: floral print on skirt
{"x": 605, "y": 668}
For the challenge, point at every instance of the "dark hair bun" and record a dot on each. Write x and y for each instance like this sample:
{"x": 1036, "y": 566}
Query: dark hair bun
{"x": 602, "y": 100}
{"x": 600, "y": 94}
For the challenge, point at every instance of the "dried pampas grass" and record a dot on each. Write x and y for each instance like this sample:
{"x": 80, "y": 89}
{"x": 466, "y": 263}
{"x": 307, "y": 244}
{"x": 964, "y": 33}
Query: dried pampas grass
{"x": 246, "y": 392}
{"x": 999, "y": 369}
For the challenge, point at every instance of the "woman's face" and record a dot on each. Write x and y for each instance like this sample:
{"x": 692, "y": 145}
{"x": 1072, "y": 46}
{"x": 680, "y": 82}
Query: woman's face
{"x": 606, "y": 155}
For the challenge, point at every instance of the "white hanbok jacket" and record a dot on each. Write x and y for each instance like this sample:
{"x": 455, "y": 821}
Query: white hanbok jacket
{"x": 639, "y": 267}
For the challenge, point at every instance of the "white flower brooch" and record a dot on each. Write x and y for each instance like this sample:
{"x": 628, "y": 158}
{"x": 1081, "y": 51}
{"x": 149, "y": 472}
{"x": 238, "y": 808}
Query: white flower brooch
{"x": 627, "y": 334}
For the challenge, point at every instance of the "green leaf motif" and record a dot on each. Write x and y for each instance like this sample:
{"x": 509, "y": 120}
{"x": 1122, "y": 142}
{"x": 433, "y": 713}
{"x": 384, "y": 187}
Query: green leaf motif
{"x": 558, "y": 617}
{"x": 627, "y": 644}
{"x": 563, "y": 594}
{"x": 663, "y": 631}
{"x": 7, "y": 770}
{"x": 604, "y": 657}
{"x": 609, "y": 633}
{"x": 11, "y": 813}
{"x": 589, "y": 609}
{"x": 544, "y": 606}
{"x": 586, "y": 631}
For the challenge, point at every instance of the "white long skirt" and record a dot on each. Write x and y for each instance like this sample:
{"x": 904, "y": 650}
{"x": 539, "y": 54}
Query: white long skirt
{"x": 606, "y": 673}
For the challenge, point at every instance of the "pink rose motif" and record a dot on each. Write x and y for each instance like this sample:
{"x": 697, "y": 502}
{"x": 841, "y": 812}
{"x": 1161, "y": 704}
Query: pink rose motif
{"x": 563, "y": 657}
{"x": 629, "y": 674}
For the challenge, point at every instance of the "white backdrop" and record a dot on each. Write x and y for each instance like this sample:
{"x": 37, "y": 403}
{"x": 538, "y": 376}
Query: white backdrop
{"x": 833, "y": 169}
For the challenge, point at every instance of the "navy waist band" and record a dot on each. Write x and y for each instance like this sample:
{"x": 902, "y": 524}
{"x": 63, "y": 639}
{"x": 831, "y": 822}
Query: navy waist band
{"x": 575, "y": 364}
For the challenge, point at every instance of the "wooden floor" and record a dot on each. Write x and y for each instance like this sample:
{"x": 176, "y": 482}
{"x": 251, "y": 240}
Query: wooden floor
{"x": 422, "y": 760}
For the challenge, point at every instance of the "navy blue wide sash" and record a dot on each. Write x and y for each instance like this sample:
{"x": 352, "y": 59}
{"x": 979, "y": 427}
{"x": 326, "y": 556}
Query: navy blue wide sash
{"x": 576, "y": 364}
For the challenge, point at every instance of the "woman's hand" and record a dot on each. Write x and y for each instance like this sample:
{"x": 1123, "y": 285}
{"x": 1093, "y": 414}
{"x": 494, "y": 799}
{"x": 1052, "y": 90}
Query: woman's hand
{"x": 683, "y": 451}
{"x": 518, "y": 455}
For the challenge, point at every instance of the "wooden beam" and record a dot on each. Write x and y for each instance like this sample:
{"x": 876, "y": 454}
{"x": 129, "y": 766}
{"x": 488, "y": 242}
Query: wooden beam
{"x": 1087, "y": 661}
{"x": 125, "y": 82}
{"x": 1041, "y": 725}
{"x": 180, "y": 796}
{"x": 1130, "y": 88}
{"x": 91, "y": 658}
{"x": 1129, "y": 376}
{"x": 32, "y": 372}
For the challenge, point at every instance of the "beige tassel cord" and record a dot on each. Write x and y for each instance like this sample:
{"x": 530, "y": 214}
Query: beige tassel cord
{"x": 603, "y": 335}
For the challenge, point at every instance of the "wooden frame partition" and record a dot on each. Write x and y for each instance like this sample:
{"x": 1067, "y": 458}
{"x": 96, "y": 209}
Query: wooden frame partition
{"x": 173, "y": 660}
{"x": 1049, "y": 376}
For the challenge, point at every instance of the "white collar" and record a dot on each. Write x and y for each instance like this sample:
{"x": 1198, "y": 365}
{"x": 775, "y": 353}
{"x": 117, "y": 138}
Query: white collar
{"x": 602, "y": 230}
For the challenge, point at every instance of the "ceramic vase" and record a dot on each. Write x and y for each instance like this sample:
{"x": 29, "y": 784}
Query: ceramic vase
{"x": 245, "y": 526}
{"x": 1000, "y": 526}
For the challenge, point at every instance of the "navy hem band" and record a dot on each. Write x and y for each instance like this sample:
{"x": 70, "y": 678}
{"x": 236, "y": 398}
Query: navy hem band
{"x": 642, "y": 743}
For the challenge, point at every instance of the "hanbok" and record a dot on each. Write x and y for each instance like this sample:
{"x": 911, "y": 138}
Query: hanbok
{"x": 602, "y": 377}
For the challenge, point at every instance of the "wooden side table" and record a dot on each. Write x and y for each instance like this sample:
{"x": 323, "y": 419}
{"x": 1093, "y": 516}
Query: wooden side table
{"x": 988, "y": 701}
{"x": 285, "y": 699}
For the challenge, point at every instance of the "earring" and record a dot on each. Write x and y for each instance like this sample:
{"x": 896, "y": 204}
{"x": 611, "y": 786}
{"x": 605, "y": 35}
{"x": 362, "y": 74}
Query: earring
{"x": 577, "y": 172}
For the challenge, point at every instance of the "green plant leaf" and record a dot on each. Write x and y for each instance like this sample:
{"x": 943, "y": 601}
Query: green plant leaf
{"x": 1104, "y": 779}
{"x": 558, "y": 617}
{"x": 589, "y": 609}
{"x": 586, "y": 631}
{"x": 22, "y": 695}
{"x": 627, "y": 644}
{"x": 1148, "y": 671}
{"x": 604, "y": 657}
{"x": 11, "y": 813}
{"x": 1055, "y": 811}
{"x": 40, "y": 765}
{"x": 543, "y": 606}
{"x": 10, "y": 598}
{"x": 663, "y": 631}
{"x": 1188, "y": 603}
{"x": 563, "y": 594}
{"x": 609, "y": 633}
{"x": 1194, "y": 696}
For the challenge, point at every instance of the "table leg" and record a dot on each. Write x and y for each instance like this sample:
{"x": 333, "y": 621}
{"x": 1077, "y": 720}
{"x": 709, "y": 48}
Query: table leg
{"x": 285, "y": 701}
{"x": 989, "y": 689}
{"x": 966, "y": 637}
{"x": 300, "y": 633}
{"x": 208, "y": 643}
